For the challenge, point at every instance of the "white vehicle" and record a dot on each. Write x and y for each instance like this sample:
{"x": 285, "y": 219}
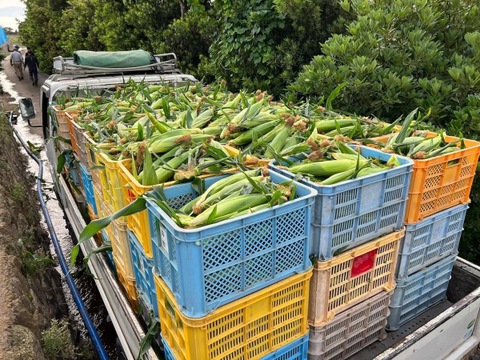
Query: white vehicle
{"x": 449, "y": 330}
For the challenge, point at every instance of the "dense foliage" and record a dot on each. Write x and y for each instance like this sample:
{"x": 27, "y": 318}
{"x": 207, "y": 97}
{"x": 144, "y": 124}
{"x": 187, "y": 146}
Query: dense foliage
{"x": 400, "y": 55}
{"x": 252, "y": 44}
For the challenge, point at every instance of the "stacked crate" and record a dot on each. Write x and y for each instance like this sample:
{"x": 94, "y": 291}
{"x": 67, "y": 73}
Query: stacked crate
{"x": 101, "y": 186}
{"x": 234, "y": 289}
{"x": 357, "y": 229}
{"x": 436, "y": 209}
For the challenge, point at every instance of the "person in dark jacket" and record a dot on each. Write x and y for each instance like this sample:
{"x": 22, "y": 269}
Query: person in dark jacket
{"x": 32, "y": 62}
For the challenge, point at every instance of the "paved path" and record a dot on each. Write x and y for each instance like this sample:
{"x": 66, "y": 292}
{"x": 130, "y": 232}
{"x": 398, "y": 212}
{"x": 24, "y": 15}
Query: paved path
{"x": 24, "y": 88}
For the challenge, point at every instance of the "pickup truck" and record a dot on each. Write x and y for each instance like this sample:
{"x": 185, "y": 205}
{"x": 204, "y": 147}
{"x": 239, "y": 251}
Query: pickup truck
{"x": 449, "y": 330}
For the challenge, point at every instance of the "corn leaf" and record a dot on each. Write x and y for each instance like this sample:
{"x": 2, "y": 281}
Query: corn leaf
{"x": 61, "y": 160}
{"x": 212, "y": 215}
{"x": 146, "y": 342}
{"x": 149, "y": 174}
{"x": 97, "y": 225}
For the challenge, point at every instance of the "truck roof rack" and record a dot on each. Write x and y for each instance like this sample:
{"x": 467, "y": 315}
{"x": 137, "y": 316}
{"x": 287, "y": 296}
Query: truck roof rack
{"x": 164, "y": 63}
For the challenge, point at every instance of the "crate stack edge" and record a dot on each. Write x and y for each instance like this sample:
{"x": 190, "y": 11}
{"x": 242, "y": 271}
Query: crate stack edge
{"x": 215, "y": 282}
{"x": 436, "y": 209}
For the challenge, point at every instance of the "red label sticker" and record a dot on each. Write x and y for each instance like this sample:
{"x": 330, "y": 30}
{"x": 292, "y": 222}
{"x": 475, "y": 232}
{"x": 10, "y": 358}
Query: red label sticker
{"x": 363, "y": 263}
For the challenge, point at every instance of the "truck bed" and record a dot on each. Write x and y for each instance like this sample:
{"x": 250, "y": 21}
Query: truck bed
{"x": 463, "y": 292}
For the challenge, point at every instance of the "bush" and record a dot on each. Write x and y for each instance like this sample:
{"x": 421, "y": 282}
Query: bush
{"x": 403, "y": 54}
{"x": 56, "y": 341}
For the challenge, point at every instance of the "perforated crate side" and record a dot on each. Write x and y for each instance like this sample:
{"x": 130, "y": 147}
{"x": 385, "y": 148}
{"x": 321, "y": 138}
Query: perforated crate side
{"x": 128, "y": 284}
{"x": 430, "y": 240}
{"x": 88, "y": 187}
{"x": 82, "y": 143}
{"x": 356, "y": 211}
{"x": 418, "y": 292}
{"x": 117, "y": 233}
{"x": 352, "y": 276}
{"x": 296, "y": 350}
{"x": 216, "y": 264}
{"x": 249, "y": 328}
{"x": 71, "y": 118}
{"x": 143, "y": 269}
{"x": 110, "y": 180}
{"x": 440, "y": 182}
{"x": 60, "y": 119}
{"x": 350, "y": 331}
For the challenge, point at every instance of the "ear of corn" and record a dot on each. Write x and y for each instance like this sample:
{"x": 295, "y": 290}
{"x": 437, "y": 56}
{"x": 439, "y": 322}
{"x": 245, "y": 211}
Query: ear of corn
{"x": 323, "y": 168}
{"x": 339, "y": 177}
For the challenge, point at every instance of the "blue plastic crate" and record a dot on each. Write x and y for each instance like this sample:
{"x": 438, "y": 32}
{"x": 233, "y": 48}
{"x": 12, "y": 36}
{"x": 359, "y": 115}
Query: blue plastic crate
{"x": 296, "y": 350}
{"x": 430, "y": 240}
{"x": 143, "y": 270}
{"x": 109, "y": 254}
{"x": 88, "y": 186}
{"x": 418, "y": 292}
{"x": 167, "y": 352}
{"x": 219, "y": 263}
{"x": 355, "y": 211}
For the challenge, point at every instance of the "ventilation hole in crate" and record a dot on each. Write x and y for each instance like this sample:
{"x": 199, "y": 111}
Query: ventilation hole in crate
{"x": 291, "y": 226}
{"x": 290, "y": 256}
{"x": 345, "y": 211}
{"x": 258, "y": 237}
{"x": 223, "y": 282}
{"x": 259, "y": 269}
{"x": 346, "y": 197}
{"x": 466, "y": 171}
{"x": 222, "y": 249}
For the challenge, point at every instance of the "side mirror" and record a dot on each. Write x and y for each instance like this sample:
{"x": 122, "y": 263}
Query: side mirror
{"x": 26, "y": 108}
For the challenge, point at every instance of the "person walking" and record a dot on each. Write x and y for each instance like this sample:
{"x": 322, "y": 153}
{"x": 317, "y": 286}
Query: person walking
{"x": 32, "y": 62}
{"x": 16, "y": 60}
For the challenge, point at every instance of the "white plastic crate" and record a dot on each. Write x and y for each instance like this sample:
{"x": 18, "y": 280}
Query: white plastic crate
{"x": 351, "y": 330}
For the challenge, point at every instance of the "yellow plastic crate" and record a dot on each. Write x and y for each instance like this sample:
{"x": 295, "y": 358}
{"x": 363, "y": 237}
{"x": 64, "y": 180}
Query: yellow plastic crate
{"x": 118, "y": 236}
{"x": 440, "y": 182}
{"x": 248, "y": 328}
{"x": 128, "y": 284}
{"x": 91, "y": 214}
{"x": 110, "y": 180}
{"x": 132, "y": 189}
{"x": 353, "y": 276}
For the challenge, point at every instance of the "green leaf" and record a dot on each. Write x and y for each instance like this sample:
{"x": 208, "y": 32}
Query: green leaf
{"x": 61, "y": 162}
{"x": 333, "y": 95}
{"x": 146, "y": 342}
{"x": 97, "y": 225}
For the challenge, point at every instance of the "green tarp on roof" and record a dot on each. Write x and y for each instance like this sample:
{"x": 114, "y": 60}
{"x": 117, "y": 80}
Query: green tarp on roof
{"x": 112, "y": 59}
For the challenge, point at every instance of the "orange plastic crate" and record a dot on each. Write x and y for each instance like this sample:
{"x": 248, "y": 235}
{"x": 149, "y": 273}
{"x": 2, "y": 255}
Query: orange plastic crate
{"x": 62, "y": 122}
{"x": 353, "y": 276}
{"x": 71, "y": 118}
{"x": 248, "y": 328}
{"x": 442, "y": 181}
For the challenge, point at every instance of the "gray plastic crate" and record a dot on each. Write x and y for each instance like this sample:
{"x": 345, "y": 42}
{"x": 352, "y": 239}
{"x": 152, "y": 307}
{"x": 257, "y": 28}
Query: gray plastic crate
{"x": 351, "y": 330}
{"x": 419, "y": 292}
{"x": 430, "y": 240}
